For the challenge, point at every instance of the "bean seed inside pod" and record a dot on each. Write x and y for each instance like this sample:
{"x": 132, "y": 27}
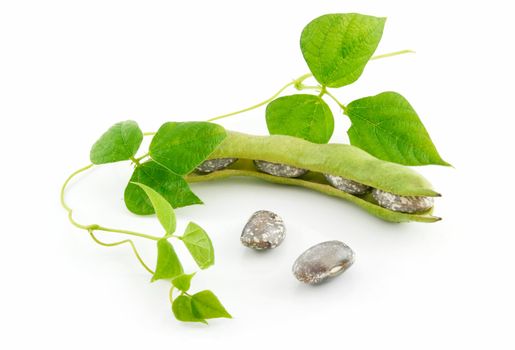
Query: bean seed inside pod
{"x": 347, "y": 185}
{"x": 278, "y": 169}
{"x": 264, "y": 230}
{"x": 323, "y": 261}
{"x": 405, "y": 204}
{"x": 211, "y": 165}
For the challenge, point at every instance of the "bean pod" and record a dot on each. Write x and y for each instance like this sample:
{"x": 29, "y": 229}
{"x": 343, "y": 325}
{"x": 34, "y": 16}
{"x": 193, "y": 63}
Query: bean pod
{"x": 338, "y": 160}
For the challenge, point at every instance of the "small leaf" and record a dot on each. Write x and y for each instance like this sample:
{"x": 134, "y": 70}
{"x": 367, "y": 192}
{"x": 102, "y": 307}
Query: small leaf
{"x": 387, "y": 127}
{"x": 206, "y": 305}
{"x": 182, "y": 309}
{"x": 304, "y": 116}
{"x": 198, "y": 243}
{"x": 168, "y": 264}
{"x": 337, "y": 47}
{"x": 163, "y": 209}
{"x": 169, "y": 185}
{"x": 181, "y": 147}
{"x": 120, "y": 142}
{"x": 183, "y": 282}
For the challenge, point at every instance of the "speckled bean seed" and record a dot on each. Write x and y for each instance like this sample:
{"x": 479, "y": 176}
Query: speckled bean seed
{"x": 264, "y": 230}
{"x": 347, "y": 185}
{"x": 323, "y": 261}
{"x": 405, "y": 204}
{"x": 211, "y": 165}
{"x": 278, "y": 169}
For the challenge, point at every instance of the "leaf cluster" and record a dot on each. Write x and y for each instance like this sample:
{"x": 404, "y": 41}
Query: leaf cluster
{"x": 336, "y": 48}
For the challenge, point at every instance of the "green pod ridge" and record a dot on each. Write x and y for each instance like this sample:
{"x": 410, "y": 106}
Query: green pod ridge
{"x": 336, "y": 159}
{"x": 314, "y": 181}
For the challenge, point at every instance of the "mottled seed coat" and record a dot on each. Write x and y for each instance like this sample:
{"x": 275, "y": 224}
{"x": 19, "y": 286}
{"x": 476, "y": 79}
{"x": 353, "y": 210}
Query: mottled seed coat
{"x": 211, "y": 165}
{"x": 323, "y": 261}
{"x": 278, "y": 169}
{"x": 405, "y": 204}
{"x": 264, "y": 230}
{"x": 347, "y": 185}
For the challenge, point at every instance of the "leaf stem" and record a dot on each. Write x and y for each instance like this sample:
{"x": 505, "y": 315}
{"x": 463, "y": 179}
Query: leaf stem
{"x": 391, "y": 54}
{"x": 135, "y": 161}
{"x": 342, "y": 106}
{"x": 295, "y": 82}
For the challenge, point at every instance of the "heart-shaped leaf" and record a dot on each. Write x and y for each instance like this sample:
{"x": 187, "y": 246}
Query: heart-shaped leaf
{"x": 206, "y": 305}
{"x": 183, "y": 282}
{"x": 168, "y": 264}
{"x": 168, "y": 184}
{"x": 337, "y": 47}
{"x": 120, "y": 142}
{"x": 304, "y": 116}
{"x": 387, "y": 127}
{"x": 181, "y": 147}
{"x": 199, "y": 244}
{"x": 163, "y": 209}
{"x": 183, "y": 311}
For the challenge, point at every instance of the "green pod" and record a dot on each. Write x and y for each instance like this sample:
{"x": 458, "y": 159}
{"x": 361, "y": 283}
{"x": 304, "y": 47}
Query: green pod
{"x": 336, "y": 159}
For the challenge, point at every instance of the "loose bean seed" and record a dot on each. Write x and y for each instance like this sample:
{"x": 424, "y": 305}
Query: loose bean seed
{"x": 264, "y": 230}
{"x": 323, "y": 261}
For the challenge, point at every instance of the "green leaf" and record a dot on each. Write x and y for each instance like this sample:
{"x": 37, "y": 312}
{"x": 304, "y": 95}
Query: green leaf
{"x": 163, "y": 209}
{"x": 387, "y": 127}
{"x": 183, "y": 311}
{"x": 120, "y": 142}
{"x": 198, "y": 243}
{"x": 181, "y": 147}
{"x": 304, "y": 116}
{"x": 337, "y": 47}
{"x": 168, "y": 264}
{"x": 183, "y": 282}
{"x": 169, "y": 185}
{"x": 206, "y": 305}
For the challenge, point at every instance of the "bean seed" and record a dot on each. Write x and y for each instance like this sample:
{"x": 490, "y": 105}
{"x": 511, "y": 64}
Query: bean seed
{"x": 278, "y": 169}
{"x": 211, "y": 165}
{"x": 405, "y": 204}
{"x": 347, "y": 185}
{"x": 323, "y": 261}
{"x": 264, "y": 230}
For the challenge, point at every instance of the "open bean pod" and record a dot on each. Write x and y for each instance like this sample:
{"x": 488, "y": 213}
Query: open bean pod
{"x": 342, "y": 160}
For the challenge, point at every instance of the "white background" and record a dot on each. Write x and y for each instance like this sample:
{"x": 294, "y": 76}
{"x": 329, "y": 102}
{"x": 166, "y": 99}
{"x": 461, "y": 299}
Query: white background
{"x": 70, "y": 69}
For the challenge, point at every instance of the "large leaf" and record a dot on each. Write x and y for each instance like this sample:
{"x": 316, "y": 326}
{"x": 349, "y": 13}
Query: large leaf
{"x": 168, "y": 264}
{"x": 163, "y": 209}
{"x": 181, "y": 147}
{"x": 120, "y": 142}
{"x": 305, "y": 116}
{"x": 199, "y": 244}
{"x": 206, "y": 305}
{"x": 183, "y": 311}
{"x": 168, "y": 184}
{"x": 387, "y": 127}
{"x": 337, "y": 47}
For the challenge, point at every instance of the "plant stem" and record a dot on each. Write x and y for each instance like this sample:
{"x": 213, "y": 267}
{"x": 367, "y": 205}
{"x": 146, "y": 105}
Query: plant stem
{"x": 297, "y": 83}
{"x": 391, "y": 54}
{"x": 94, "y": 227}
{"x": 145, "y": 266}
{"x": 294, "y": 82}
{"x": 342, "y": 106}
